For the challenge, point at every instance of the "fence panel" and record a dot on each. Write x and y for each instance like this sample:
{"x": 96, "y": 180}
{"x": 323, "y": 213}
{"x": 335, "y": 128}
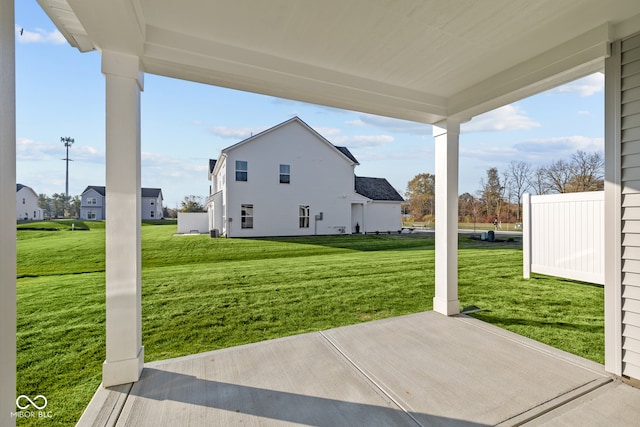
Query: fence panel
{"x": 563, "y": 235}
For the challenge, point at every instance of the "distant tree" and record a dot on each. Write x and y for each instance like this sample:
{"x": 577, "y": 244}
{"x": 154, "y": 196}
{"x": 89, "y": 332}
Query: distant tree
{"x": 168, "y": 213}
{"x": 192, "y": 203}
{"x": 468, "y": 208}
{"x": 59, "y": 204}
{"x": 74, "y": 207}
{"x": 420, "y": 196}
{"x": 587, "y": 172}
{"x": 492, "y": 194}
{"x": 519, "y": 172}
{"x": 538, "y": 181}
{"x": 558, "y": 175}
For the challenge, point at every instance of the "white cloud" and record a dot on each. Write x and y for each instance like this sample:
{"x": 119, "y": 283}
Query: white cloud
{"x": 364, "y": 141}
{"x": 39, "y": 35}
{"x": 585, "y": 86}
{"x": 28, "y": 150}
{"x": 391, "y": 125}
{"x": 561, "y": 145}
{"x": 371, "y": 140}
{"x": 509, "y": 117}
{"x": 326, "y": 131}
{"x": 235, "y": 133}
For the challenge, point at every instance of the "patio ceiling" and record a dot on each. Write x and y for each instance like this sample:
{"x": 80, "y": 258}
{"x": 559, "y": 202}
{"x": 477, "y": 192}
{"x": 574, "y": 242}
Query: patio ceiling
{"x": 420, "y": 60}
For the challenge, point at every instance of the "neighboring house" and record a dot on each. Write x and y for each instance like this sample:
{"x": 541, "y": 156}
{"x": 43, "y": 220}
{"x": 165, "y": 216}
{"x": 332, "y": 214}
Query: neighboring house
{"x": 27, "y": 204}
{"x": 93, "y": 203}
{"x": 289, "y": 180}
{"x": 151, "y": 203}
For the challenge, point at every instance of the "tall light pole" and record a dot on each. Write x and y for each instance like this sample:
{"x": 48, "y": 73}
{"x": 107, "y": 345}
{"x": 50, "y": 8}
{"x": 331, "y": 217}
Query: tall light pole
{"x": 68, "y": 142}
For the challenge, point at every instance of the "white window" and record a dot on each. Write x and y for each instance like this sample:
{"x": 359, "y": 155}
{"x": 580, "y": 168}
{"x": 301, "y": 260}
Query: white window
{"x": 153, "y": 214}
{"x": 23, "y": 201}
{"x": 285, "y": 174}
{"x": 246, "y": 216}
{"x": 92, "y": 201}
{"x": 304, "y": 216}
{"x": 242, "y": 169}
{"x": 91, "y": 215}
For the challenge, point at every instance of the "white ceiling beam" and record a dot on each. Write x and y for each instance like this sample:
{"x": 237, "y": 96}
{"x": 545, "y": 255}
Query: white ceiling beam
{"x": 115, "y": 25}
{"x": 568, "y": 61}
{"x": 183, "y": 56}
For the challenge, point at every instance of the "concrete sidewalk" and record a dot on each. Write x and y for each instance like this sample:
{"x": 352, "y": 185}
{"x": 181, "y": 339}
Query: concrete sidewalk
{"x": 423, "y": 369}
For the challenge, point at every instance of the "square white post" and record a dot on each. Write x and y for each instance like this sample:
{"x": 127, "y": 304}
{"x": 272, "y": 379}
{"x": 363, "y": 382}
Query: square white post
{"x": 613, "y": 212}
{"x": 125, "y": 354}
{"x": 526, "y": 235}
{"x": 446, "y": 134}
{"x": 7, "y": 214}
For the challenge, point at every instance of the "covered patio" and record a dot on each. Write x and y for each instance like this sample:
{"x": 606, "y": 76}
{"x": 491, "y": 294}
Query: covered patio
{"x": 418, "y": 370}
{"x": 434, "y": 62}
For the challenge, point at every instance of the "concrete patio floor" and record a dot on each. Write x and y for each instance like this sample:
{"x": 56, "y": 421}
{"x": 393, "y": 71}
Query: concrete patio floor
{"x": 417, "y": 370}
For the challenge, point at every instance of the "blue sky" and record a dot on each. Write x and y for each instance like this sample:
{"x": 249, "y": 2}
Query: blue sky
{"x": 60, "y": 92}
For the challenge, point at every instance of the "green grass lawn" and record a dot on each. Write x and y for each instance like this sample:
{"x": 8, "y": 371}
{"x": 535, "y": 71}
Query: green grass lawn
{"x": 201, "y": 294}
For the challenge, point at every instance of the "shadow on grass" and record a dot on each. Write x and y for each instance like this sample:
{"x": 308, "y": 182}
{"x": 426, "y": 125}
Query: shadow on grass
{"x": 365, "y": 243}
{"x": 382, "y": 242}
{"x": 503, "y": 321}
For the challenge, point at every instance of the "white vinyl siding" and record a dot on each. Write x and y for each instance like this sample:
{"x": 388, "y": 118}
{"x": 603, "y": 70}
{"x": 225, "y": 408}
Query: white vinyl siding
{"x": 630, "y": 198}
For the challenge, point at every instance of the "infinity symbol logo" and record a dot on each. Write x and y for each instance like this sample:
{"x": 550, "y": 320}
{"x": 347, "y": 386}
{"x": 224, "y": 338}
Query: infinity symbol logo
{"x": 31, "y": 402}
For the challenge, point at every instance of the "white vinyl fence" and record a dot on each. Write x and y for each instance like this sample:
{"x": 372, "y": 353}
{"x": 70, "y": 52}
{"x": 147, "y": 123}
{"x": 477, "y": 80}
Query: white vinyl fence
{"x": 563, "y": 235}
{"x": 193, "y": 222}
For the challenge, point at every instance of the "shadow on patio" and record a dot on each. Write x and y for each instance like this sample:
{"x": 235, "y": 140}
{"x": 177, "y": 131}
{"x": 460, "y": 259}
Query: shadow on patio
{"x": 422, "y": 369}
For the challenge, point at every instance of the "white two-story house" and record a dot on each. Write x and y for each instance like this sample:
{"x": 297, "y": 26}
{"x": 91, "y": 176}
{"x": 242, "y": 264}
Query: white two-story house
{"x": 289, "y": 180}
{"x": 93, "y": 203}
{"x": 27, "y": 204}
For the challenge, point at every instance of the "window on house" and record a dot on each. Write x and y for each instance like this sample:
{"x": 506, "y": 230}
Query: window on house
{"x": 246, "y": 216}
{"x": 91, "y": 215}
{"x": 92, "y": 201}
{"x": 23, "y": 201}
{"x": 151, "y": 203}
{"x": 304, "y": 216}
{"x": 285, "y": 174}
{"x": 153, "y": 214}
{"x": 241, "y": 170}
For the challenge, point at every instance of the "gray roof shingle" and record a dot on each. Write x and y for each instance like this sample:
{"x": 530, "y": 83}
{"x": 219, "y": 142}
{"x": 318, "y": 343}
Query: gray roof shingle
{"x": 145, "y": 192}
{"x": 377, "y": 189}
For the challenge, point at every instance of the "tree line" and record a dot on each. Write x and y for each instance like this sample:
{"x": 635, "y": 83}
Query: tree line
{"x": 499, "y": 197}
{"x": 60, "y": 205}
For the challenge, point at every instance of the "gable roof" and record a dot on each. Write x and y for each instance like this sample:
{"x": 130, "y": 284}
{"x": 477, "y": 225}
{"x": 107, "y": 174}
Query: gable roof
{"x": 19, "y": 187}
{"x": 145, "y": 192}
{"x": 377, "y": 189}
{"x": 97, "y": 188}
{"x": 151, "y": 192}
{"x": 342, "y": 150}
{"x": 346, "y": 152}
{"x": 212, "y": 166}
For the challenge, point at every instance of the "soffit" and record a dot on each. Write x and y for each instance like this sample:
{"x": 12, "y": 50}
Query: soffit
{"x": 414, "y": 59}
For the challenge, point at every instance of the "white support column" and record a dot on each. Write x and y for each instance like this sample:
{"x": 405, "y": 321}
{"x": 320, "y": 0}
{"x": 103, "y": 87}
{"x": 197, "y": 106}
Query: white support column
{"x": 446, "y": 134}
{"x": 526, "y": 235}
{"x": 7, "y": 214}
{"x": 613, "y": 213}
{"x": 125, "y": 354}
